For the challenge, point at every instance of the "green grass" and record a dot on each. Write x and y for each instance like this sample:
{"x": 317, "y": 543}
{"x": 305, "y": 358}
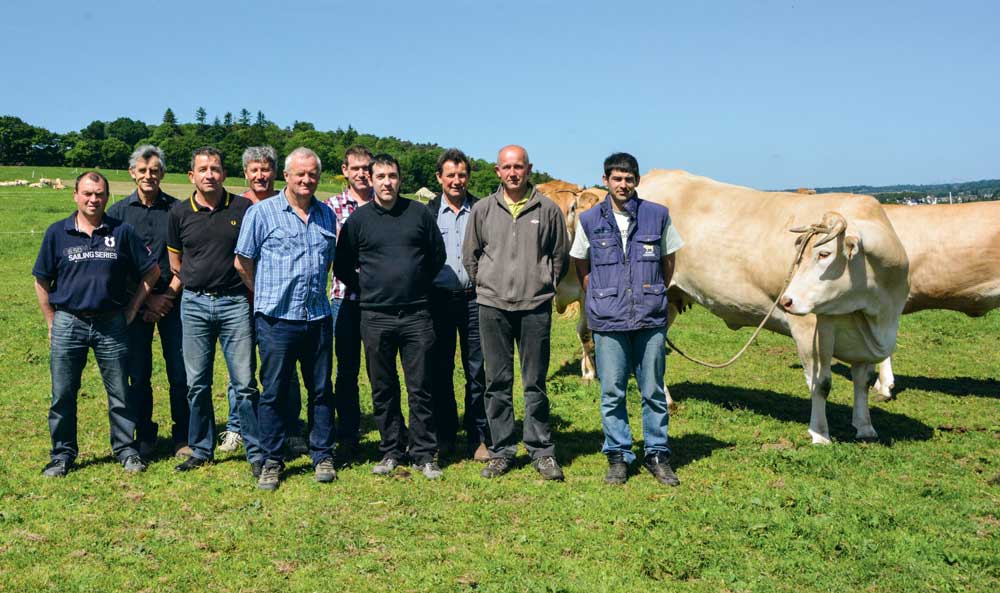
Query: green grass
{"x": 759, "y": 509}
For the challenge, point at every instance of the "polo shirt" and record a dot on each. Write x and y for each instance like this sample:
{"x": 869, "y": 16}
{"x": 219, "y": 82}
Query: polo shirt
{"x": 91, "y": 273}
{"x": 150, "y": 223}
{"x": 206, "y": 240}
{"x": 293, "y": 258}
{"x": 390, "y": 257}
{"x": 453, "y": 275}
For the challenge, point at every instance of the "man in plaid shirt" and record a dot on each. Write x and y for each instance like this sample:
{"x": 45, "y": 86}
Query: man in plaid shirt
{"x": 346, "y": 314}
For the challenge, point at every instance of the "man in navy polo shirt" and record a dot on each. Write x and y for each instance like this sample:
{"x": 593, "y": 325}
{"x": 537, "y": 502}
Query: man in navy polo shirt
{"x": 284, "y": 255}
{"x": 81, "y": 278}
{"x": 623, "y": 251}
{"x": 215, "y": 305}
{"x": 146, "y": 210}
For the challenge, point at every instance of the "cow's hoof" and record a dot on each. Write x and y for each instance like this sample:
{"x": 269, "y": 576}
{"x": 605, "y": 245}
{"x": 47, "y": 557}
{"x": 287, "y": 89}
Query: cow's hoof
{"x": 672, "y": 407}
{"x": 819, "y": 439}
{"x": 866, "y": 435}
{"x": 882, "y": 393}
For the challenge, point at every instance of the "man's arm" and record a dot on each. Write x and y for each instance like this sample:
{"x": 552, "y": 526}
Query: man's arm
{"x": 345, "y": 264}
{"x": 145, "y": 285}
{"x": 582, "y": 271}
{"x": 667, "y": 267}
{"x": 439, "y": 253}
{"x": 246, "y": 268}
{"x": 42, "y": 287}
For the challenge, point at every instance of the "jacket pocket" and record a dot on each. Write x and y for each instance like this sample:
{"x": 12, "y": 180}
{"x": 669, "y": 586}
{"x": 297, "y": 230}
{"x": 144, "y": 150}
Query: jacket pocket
{"x": 653, "y": 305}
{"x": 649, "y": 247}
{"x": 604, "y": 252}
{"x": 604, "y": 304}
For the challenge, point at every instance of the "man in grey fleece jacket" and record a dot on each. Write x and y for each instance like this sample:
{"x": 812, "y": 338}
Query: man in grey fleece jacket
{"x": 516, "y": 250}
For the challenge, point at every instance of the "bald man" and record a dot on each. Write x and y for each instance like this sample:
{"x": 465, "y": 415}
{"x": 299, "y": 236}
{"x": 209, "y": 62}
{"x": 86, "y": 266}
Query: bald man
{"x": 516, "y": 250}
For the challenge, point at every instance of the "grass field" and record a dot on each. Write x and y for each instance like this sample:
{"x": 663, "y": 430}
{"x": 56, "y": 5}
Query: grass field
{"x": 759, "y": 509}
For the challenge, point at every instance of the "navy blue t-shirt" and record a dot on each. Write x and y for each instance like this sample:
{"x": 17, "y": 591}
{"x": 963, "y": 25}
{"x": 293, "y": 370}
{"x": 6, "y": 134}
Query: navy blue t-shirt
{"x": 91, "y": 273}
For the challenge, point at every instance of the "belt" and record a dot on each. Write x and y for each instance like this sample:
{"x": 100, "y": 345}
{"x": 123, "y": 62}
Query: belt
{"x": 92, "y": 314}
{"x": 218, "y": 293}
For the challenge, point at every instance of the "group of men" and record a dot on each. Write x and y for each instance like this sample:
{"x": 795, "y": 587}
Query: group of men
{"x": 250, "y": 272}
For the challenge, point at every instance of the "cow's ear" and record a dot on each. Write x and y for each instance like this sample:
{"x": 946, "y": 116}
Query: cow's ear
{"x": 852, "y": 245}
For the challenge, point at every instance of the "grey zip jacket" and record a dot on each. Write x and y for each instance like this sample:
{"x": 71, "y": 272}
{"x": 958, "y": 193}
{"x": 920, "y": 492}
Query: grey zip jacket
{"x": 516, "y": 264}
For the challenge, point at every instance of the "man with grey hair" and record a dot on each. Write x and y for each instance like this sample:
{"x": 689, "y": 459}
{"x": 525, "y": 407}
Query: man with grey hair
{"x": 284, "y": 255}
{"x": 260, "y": 167}
{"x": 146, "y": 210}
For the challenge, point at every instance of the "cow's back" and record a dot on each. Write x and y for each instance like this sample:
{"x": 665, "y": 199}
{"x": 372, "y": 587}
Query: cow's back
{"x": 954, "y": 252}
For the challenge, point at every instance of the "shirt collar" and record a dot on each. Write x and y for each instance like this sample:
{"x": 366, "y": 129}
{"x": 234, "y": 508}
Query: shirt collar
{"x": 70, "y": 224}
{"x": 445, "y": 205}
{"x": 347, "y": 197}
{"x": 225, "y": 201}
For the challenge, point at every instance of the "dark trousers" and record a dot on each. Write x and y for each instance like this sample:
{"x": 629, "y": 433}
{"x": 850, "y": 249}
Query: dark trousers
{"x": 140, "y": 372}
{"x": 411, "y": 334}
{"x": 529, "y": 330}
{"x": 283, "y": 343}
{"x": 457, "y": 314}
{"x": 347, "y": 346}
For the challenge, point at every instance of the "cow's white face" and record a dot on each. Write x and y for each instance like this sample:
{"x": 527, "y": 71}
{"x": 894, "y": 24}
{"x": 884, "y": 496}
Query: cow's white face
{"x": 830, "y": 279}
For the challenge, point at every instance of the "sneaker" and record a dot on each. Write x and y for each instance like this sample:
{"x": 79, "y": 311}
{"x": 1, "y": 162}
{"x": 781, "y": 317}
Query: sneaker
{"x": 548, "y": 468}
{"x": 270, "y": 476}
{"x": 386, "y": 466}
{"x": 191, "y": 463}
{"x": 617, "y": 469}
{"x": 496, "y": 467}
{"x": 57, "y": 468}
{"x": 134, "y": 464}
{"x": 230, "y": 441}
{"x": 658, "y": 465}
{"x": 325, "y": 472}
{"x": 431, "y": 470}
{"x": 256, "y": 467}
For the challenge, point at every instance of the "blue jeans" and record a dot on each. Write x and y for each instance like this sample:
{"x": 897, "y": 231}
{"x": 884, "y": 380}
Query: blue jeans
{"x": 72, "y": 338}
{"x": 140, "y": 372}
{"x": 284, "y": 343}
{"x": 618, "y": 355}
{"x": 226, "y": 319}
{"x": 294, "y": 402}
{"x": 347, "y": 345}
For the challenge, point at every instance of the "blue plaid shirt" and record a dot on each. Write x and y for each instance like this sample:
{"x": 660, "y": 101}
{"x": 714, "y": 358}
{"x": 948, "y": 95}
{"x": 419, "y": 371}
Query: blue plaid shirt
{"x": 293, "y": 257}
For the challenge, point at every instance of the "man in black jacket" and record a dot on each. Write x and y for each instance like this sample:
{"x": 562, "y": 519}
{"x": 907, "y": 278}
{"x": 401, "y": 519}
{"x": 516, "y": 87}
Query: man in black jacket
{"x": 388, "y": 253}
{"x": 455, "y": 311}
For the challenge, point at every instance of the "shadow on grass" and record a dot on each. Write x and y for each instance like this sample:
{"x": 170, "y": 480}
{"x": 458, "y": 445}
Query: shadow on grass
{"x": 570, "y": 368}
{"x": 954, "y": 386}
{"x": 889, "y": 425}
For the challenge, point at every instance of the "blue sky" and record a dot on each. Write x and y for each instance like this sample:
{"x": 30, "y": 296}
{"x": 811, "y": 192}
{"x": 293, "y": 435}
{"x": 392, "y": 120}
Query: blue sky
{"x": 769, "y": 94}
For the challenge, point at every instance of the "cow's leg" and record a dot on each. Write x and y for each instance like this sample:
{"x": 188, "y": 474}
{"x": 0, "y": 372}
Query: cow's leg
{"x": 886, "y": 381}
{"x": 861, "y": 374}
{"x": 587, "y": 368}
{"x": 815, "y": 346}
{"x": 672, "y": 313}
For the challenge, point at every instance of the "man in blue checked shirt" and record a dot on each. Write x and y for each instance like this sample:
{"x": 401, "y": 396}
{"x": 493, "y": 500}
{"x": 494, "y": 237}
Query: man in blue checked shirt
{"x": 284, "y": 254}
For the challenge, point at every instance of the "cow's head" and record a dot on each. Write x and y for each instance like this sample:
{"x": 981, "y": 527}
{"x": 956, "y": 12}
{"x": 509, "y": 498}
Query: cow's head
{"x": 826, "y": 280}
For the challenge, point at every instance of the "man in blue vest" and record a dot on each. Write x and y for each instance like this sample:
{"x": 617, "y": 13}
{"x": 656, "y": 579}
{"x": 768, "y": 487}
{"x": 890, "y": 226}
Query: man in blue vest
{"x": 624, "y": 255}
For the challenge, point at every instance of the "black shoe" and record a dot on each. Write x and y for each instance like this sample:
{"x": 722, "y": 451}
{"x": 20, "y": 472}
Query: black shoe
{"x": 347, "y": 452}
{"x": 270, "y": 476}
{"x": 57, "y": 468}
{"x": 548, "y": 468}
{"x": 134, "y": 464}
{"x": 256, "y": 467}
{"x": 659, "y": 466}
{"x": 617, "y": 469}
{"x": 191, "y": 463}
{"x": 496, "y": 467}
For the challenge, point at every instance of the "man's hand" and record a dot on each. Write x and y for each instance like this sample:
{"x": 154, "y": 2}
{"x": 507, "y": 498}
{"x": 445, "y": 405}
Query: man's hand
{"x": 150, "y": 317}
{"x": 161, "y": 304}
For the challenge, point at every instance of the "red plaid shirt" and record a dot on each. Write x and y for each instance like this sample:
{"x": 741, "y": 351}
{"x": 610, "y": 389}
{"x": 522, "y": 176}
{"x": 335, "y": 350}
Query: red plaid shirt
{"x": 342, "y": 205}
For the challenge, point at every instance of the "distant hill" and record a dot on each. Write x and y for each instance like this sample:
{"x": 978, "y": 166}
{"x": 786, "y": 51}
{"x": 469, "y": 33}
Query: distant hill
{"x": 966, "y": 191}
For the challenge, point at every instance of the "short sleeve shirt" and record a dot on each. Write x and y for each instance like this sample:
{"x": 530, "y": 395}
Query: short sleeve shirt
{"x": 206, "y": 240}
{"x": 91, "y": 273}
{"x": 293, "y": 258}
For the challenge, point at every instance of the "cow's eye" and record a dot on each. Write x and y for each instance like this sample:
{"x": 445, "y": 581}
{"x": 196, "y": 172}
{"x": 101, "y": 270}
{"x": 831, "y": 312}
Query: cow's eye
{"x": 822, "y": 254}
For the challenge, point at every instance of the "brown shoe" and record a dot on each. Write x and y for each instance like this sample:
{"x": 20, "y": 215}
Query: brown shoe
{"x": 482, "y": 454}
{"x": 183, "y": 452}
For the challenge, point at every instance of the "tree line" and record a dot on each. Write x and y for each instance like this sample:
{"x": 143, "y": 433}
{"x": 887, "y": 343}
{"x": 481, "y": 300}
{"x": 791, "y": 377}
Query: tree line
{"x": 107, "y": 145}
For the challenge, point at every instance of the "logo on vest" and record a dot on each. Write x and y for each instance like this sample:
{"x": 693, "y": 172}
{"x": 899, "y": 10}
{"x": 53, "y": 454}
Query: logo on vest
{"x": 109, "y": 241}
{"x": 647, "y": 251}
